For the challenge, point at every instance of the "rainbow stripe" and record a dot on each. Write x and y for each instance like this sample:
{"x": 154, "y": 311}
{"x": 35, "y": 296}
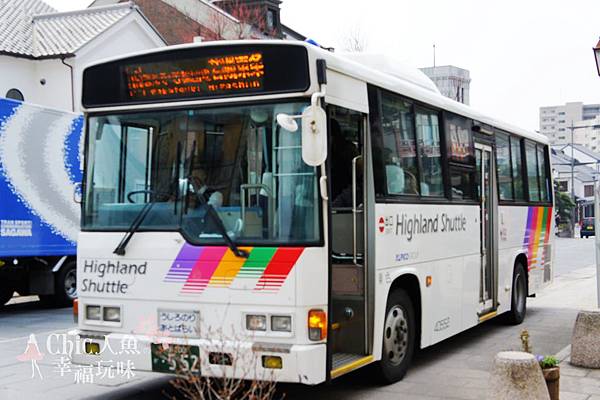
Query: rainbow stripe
{"x": 201, "y": 267}
{"x": 537, "y": 236}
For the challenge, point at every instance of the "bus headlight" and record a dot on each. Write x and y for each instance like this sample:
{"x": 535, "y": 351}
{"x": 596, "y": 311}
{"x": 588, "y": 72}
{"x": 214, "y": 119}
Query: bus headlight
{"x": 281, "y": 323}
{"x": 256, "y": 322}
{"x": 93, "y": 313}
{"x": 112, "y": 314}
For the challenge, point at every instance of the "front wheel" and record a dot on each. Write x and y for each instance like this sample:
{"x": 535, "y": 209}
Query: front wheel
{"x": 398, "y": 337}
{"x": 65, "y": 285}
{"x": 518, "y": 304}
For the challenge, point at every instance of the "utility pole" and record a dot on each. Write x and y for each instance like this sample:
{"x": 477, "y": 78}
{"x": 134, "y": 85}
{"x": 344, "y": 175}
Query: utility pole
{"x": 597, "y": 236}
{"x": 434, "y": 55}
{"x": 573, "y": 182}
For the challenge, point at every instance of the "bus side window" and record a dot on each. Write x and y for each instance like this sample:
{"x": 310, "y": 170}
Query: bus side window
{"x": 461, "y": 156}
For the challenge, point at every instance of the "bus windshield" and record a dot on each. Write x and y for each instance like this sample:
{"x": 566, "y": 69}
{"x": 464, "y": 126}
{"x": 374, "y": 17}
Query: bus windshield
{"x": 236, "y": 160}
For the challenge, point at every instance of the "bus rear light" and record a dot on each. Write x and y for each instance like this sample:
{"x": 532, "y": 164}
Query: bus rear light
{"x": 76, "y": 310}
{"x": 256, "y": 322}
{"x": 93, "y": 313}
{"x": 317, "y": 325}
{"x": 272, "y": 362}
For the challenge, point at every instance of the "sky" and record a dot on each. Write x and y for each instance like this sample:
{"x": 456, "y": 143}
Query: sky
{"x": 522, "y": 54}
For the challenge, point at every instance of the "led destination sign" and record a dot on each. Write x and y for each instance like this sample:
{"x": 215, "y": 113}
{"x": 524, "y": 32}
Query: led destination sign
{"x": 197, "y": 72}
{"x": 191, "y": 77}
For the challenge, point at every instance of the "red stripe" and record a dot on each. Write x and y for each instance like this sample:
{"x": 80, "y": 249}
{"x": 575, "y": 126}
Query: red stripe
{"x": 280, "y": 265}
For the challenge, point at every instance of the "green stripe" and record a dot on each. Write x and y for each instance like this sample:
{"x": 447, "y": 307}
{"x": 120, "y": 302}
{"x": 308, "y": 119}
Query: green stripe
{"x": 257, "y": 261}
{"x": 544, "y": 223}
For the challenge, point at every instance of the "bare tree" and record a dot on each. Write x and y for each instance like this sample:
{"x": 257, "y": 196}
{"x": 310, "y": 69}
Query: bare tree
{"x": 355, "y": 40}
{"x": 247, "y": 23}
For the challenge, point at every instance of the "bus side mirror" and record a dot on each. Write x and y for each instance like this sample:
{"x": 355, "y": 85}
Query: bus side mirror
{"x": 314, "y": 136}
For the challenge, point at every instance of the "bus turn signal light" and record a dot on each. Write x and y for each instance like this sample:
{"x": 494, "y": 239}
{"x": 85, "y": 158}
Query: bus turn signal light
{"x": 317, "y": 325}
{"x": 76, "y": 310}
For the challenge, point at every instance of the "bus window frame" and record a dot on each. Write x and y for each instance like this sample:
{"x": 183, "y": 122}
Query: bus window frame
{"x": 509, "y": 138}
{"x": 320, "y": 242}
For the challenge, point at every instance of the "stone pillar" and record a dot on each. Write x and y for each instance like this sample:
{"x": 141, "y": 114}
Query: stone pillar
{"x": 585, "y": 343}
{"x": 517, "y": 375}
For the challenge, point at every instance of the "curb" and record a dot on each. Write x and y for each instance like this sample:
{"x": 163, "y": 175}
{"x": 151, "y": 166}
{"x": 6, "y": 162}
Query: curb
{"x": 563, "y": 354}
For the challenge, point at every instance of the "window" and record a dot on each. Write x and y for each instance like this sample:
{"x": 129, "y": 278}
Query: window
{"x": 270, "y": 19}
{"x": 588, "y": 191}
{"x": 532, "y": 171}
{"x": 15, "y": 94}
{"x": 515, "y": 146}
{"x": 428, "y": 139}
{"x": 398, "y": 146}
{"x": 461, "y": 156}
{"x": 504, "y": 167}
{"x": 542, "y": 168}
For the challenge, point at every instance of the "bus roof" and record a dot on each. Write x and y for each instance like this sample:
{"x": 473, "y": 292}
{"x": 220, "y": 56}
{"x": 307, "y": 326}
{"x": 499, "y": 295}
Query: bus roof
{"x": 378, "y": 70}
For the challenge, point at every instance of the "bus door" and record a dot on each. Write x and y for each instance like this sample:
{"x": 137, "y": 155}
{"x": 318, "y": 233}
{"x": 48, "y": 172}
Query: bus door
{"x": 488, "y": 209}
{"x": 348, "y": 335}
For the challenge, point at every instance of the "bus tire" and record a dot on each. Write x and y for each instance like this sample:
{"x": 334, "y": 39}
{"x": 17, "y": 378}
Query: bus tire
{"x": 518, "y": 302}
{"x": 398, "y": 337}
{"x": 6, "y": 293}
{"x": 65, "y": 285}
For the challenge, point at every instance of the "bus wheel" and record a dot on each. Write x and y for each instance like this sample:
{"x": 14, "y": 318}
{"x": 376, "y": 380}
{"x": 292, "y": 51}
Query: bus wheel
{"x": 6, "y": 293}
{"x": 518, "y": 303}
{"x": 398, "y": 337}
{"x": 65, "y": 285}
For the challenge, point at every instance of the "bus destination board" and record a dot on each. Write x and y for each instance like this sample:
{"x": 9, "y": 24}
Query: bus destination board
{"x": 191, "y": 77}
{"x": 197, "y": 72}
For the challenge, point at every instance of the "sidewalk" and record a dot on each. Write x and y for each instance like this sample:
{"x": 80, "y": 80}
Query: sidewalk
{"x": 575, "y": 290}
{"x": 577, "y": 383}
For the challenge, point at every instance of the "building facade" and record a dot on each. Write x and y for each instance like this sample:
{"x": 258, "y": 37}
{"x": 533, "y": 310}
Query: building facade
{"x": 556, "y": 121}
{"x": 43, "y": 52}
{"x": 187, "y": 21}
{"x": 453, "y": 82}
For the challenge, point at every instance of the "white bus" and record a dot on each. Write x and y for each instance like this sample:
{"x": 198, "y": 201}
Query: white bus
{"x": 277, "y": 208}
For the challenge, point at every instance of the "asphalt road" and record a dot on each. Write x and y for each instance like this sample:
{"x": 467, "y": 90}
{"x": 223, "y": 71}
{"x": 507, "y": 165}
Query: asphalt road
{"x": 454, "y": 368}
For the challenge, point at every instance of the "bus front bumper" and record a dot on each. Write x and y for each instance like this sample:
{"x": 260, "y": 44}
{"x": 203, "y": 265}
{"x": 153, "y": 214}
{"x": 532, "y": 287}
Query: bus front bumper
{"x": 299, "y": 363}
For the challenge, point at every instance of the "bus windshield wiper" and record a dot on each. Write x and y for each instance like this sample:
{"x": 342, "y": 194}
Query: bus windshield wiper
{"x": 139, "y": 218}
{"x": 137, "y": 221}
{"x": 211, "y": 212}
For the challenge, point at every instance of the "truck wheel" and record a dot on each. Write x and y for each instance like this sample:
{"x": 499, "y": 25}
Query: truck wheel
{"x": 398, "y": 337}
{"x": 65, "y": 285}
{"x": 6, "y": 293}
{"x": 518, "y": 303}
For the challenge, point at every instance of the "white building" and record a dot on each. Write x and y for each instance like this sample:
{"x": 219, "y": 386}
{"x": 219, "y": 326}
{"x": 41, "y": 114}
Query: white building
{"x": 43, "y": 52}
{"x": 555, "y": 121}
{"x": 453, "y": 82}
{"x": 576, "y": 168}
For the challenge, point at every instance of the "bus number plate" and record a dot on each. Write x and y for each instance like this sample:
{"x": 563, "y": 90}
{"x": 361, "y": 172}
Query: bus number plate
{"x": 175, "y": 358}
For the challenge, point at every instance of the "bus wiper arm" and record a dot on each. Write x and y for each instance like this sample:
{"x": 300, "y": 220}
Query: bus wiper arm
{"x": 137, "y": 221}
{"x": 210, "y": 211}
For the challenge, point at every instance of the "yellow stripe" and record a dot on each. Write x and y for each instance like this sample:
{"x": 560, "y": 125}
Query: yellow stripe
{"x": 228, "y": 268}
{"x": 352, "y": 366}
{"x": 487, "y": 316}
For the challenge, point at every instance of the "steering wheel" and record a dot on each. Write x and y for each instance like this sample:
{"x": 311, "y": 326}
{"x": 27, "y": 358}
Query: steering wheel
{"x": 147, "y": 191}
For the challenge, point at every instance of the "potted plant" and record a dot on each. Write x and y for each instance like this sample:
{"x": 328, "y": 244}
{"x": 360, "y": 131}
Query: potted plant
{"x": 551, "y": 372}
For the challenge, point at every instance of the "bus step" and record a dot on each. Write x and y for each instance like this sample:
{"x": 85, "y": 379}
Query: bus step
{"x": 342, "y": 363}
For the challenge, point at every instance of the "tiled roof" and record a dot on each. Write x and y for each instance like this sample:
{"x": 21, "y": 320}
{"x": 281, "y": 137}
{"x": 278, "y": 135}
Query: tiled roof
{"x": 16, "y": 33}
{"x": 43, "y": 33}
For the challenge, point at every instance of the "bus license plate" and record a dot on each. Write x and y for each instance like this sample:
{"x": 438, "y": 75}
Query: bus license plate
{"x": 175, "y": 358}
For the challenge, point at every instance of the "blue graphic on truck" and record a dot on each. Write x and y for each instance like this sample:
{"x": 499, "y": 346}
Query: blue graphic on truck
{"x": 40, "y": 168}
